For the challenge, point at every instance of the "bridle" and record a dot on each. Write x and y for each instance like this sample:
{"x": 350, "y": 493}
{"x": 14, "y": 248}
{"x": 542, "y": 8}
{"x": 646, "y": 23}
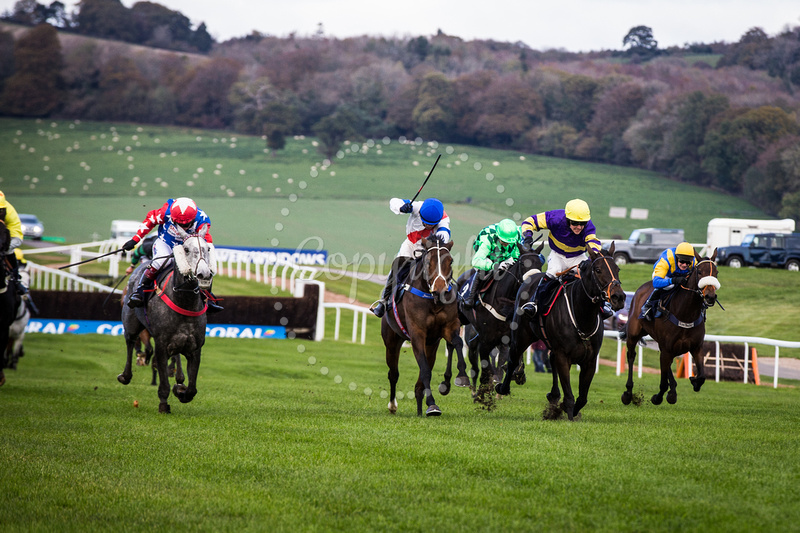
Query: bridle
{"x": 705, "y": 283}
{"x": 439, "y": 274}
{"x": 605, "y": 292}
{"x": 191, "y": 274}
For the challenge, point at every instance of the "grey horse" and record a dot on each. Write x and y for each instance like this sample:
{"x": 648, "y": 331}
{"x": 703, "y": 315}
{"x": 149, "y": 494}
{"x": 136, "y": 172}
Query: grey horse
{"x": 175, "y": 315}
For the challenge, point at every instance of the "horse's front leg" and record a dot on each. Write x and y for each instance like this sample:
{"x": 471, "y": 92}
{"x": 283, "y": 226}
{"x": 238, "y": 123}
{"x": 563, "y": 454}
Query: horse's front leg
{"x": 585, "y": 381}
{"x": 178, "y": 369}
{"x": 630, "y": 357}
{"x": 425, "y": 375}
{"x": 186, "y": 394}
{"x": 697, "y": 381}
{"x": 160, "y": 357}
{"x": 127, "y": 372}
{"x": 561, "y": 367}
{"x": 521, "y": 337}
{"x": 666, "y": 376}
{"x": 393, "y": 343}
{"x": 555, "y": 393}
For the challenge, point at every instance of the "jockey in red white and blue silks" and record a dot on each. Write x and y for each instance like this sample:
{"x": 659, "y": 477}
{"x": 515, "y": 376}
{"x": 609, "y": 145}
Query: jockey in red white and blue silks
{"x": 181, "y": 212}
{"x": 571, "y": 233}
{"x": 425, "y": 219}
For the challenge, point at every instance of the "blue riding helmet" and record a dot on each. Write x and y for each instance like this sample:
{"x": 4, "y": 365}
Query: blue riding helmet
{"x": 431, "y": 211}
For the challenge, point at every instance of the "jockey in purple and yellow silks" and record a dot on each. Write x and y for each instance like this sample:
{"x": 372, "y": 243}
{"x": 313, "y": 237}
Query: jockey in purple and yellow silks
{"x": 571, "y": 234}
{"x": 181, "y": 212}
{"x": 425, "y": 219}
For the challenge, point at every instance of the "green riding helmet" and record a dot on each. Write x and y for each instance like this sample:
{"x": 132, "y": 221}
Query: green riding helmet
{"x": 508, "y": 231}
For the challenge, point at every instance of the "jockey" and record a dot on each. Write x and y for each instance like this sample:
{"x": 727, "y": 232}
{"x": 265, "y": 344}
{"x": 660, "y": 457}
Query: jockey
{"x": 495, "y": 247}
{"x": 425, "y": 219}
{"x": 670, "y": 271}
{"x": 11, "y": 219}
{"x": 571, "y": 234}
{"x": 181, "y": 212}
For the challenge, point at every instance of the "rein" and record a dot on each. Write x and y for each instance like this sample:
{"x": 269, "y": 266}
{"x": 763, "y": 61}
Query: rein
{"x": 700, "y": 291}
{"x": 161, "y": 291}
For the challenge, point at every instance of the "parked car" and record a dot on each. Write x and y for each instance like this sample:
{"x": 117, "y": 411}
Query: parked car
{"x": 777, "y": 250}
{"x": 32, "y": 227}
{"x": 646, "y": 245}
{"x": 620, "y": 318}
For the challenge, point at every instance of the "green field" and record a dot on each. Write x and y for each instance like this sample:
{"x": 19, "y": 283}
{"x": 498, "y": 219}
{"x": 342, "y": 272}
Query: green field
{"x": 77, "y": 177}
{"x": 288, "y": 435}
{"x": 295, "y": 435}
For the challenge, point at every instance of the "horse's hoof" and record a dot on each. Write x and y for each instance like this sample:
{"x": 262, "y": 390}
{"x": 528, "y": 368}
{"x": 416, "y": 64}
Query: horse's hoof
{"x": 656, "y": 399}
{"x": 164, "y": 408}
{"x": 502, "y": 389}
{"x": 444, "y": 388}
{"x": 433, "y": 410}
{"x": 552, "y": 398}
{"x": 672, "y": 398}
{"x": 626, "y": 398}
{"x": 122, "y": 378}
{"x": 697, "y": 383}
{"x": 393, "y": 406}
{"x": 462, "y": 381}
{"x": 520, "y": 378}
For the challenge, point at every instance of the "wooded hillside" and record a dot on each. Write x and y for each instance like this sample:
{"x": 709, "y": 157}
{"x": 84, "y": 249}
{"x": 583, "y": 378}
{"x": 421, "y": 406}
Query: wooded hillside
{"x": 716, "y": 115}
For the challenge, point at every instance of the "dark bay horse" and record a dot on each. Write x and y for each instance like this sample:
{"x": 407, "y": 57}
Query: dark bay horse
{"x": 8, "y": 298}
{"x": 570, "y": 325}
{"x": 680, "y": 329}
{"x": 175, "y": 316}
{"x": 426, "y": 314}
{"x": 490, "y": 319}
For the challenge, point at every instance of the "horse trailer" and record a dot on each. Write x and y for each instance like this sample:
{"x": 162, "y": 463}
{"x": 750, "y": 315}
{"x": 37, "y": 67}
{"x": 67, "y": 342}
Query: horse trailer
{"x": 731, "y": 231}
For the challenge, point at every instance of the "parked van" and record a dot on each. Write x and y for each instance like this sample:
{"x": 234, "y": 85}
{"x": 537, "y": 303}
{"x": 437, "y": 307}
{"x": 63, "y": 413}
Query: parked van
{"x": 777, "y": 250}
{"x": 124, "y": 229}
{"x": 731, "y": 231}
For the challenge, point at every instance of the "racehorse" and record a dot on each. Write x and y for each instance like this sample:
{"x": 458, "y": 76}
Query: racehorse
{"x": 175, "y": 316}
{"x": 680, "y": 328}
{"x": 16, "y": 334}
{"x": 8, "y": 298}
{"x": 491, "y": 317}
{"x": 426, "y": 313}
{"x": 569, "y": 324}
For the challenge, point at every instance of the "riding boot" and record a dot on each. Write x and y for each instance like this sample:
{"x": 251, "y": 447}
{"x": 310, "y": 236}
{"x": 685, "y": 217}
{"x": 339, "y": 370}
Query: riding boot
{"x": 532, "y": 307}
{"x": 647, "y": 308}
{"x": 22, "y": 289}
{"x": 607, "y": 311}
{"x": 379, "y": 307}
{"x": 211, "y": 302}
{"x": 474, "y": 288}
{"x": 146, "y": 284}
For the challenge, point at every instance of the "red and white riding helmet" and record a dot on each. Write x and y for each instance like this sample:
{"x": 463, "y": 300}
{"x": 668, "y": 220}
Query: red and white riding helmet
{"x": 183, "y": 210}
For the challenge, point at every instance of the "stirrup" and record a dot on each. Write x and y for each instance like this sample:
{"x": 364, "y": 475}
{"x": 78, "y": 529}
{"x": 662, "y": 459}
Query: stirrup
{"x": 529, "y": 308}
{"x": 378, "y": 308}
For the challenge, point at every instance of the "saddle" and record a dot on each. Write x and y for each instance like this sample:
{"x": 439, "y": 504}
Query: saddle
{"x": 548, "y": 289}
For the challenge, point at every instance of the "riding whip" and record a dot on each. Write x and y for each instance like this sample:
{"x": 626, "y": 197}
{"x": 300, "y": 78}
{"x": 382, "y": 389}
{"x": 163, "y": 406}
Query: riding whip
{"x": 426, "y": 179}
{"x": 92, "y": 259}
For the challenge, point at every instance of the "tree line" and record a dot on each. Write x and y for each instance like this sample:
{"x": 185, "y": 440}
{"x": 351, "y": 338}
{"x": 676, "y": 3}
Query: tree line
{"x": 732, "y": 126}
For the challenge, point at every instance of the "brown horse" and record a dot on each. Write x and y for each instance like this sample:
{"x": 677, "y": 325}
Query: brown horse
{"x": 570, "y": 325}
{"x": 680, "y": 329}
{"x": 426, "y": 313}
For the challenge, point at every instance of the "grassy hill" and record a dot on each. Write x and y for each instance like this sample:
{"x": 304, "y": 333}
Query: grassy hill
{"x": 78, "y": 176}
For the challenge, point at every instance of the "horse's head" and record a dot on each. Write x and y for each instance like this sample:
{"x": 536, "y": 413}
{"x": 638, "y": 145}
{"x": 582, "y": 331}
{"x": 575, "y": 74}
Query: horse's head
{"x": 703, "y": 278}
{"x": 604, "y": 275}
{"x": 195, "y": 259}
{"x": 437, "y": 266}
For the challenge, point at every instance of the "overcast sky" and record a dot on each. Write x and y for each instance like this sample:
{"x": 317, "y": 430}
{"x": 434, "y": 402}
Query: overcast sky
{"x": 574, "y": 25}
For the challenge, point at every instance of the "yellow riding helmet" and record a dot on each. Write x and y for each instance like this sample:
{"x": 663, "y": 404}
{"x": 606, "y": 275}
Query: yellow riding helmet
{"x": 3, "y": 202}
{"x": 685, "y": 249}
{"x": 577, "y": 210}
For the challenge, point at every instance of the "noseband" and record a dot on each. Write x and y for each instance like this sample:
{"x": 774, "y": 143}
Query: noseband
{"x": 605, "y": 292}
{"x": 705, "y": 283}
{"x": 439, "y": 274}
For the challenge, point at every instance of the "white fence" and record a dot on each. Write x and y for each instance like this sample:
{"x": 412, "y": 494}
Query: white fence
{"x": 747, "y": 341}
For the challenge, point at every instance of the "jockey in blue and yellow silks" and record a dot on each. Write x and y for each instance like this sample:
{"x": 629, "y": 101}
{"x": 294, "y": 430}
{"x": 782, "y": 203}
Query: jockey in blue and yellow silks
{"x": 669, "y": 271}
{"x": 11, "y": 219}
{"x": 571, "y": 234}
